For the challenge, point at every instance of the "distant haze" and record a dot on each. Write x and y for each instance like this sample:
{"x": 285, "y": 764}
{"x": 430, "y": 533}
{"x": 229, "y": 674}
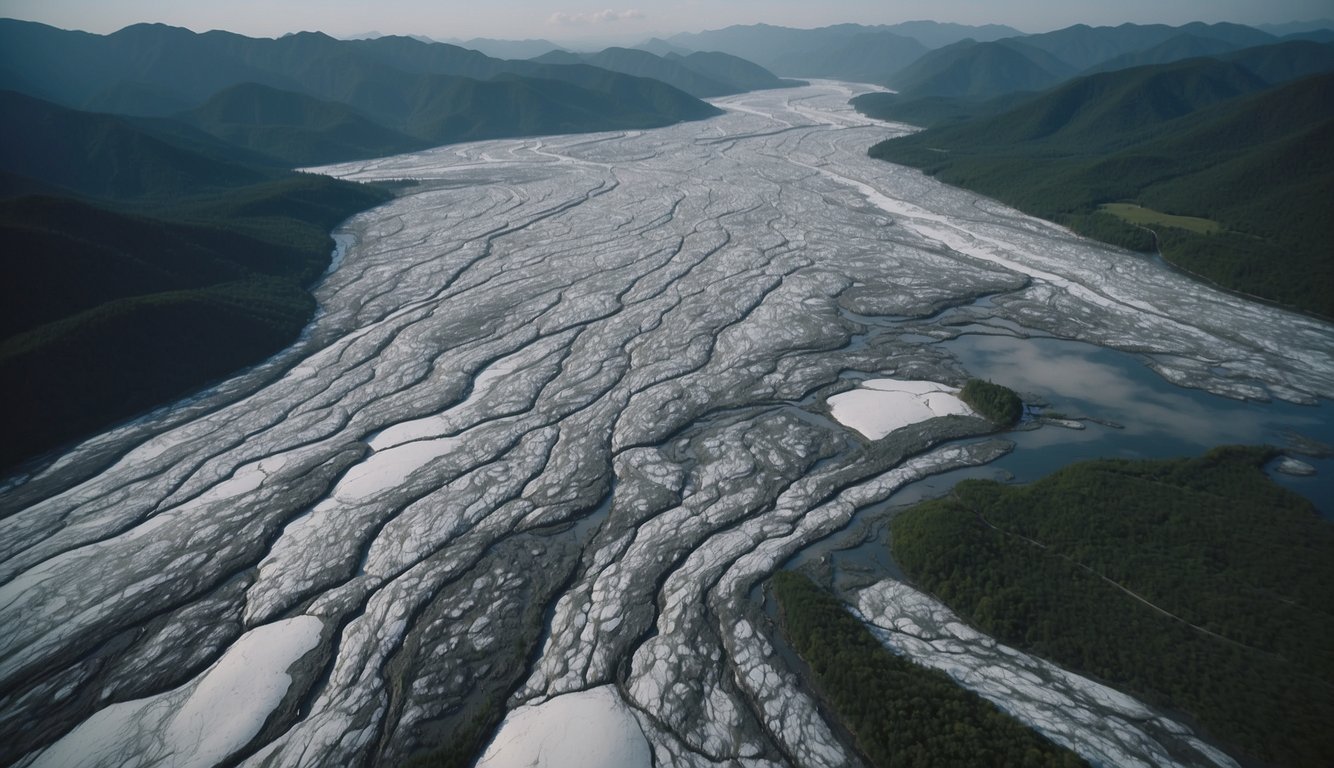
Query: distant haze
{"x": 579, "y": 21}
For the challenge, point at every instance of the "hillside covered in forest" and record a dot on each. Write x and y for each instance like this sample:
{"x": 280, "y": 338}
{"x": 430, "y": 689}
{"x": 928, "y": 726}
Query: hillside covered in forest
{"x": 143, "y": 265}
{"x": 1198, "y": 584}
{"x": 1225, "y": 164}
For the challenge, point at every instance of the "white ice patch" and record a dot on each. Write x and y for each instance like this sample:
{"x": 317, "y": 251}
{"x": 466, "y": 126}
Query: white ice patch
{"x": 588, "y": 729}
{"x": 202, "y": 722}
{"x": 388, "y": 469}
{"x": 880, "y": 406}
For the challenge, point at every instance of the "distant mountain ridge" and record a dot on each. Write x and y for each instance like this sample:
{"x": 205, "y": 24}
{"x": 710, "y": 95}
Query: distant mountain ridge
{"x": 907, "y": 55}
{"x": 660, "y": 47}
{"x": 1296, "y": 27}
{"x": 867, "y": 57}
{"x": 975, "y": 79}
{"x": 396, "y": 93}
{"x": 844, "y": 51}
{"x": 1084, "y": 47}
{"x": 969, "y": 69}
{"x": 507, "y": 49}
{"x": 980, "y": 70}
{"x": 700, "y": 74}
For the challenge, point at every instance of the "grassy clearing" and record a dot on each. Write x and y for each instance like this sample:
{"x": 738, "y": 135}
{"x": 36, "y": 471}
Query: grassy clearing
{"x": 1147, "y": 217}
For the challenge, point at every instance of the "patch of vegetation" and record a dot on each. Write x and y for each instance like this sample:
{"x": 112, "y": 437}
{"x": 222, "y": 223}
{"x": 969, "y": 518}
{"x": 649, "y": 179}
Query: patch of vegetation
{"x": 1197, "y": 584}
{"x": 1147, "y": 217}
{"x": 930, "y": 110}
{"x": 998, "y": 403}
{"x": 1109, "y": 229}
{"x": 900, "y": 714}
{"x": 465, "y": 745}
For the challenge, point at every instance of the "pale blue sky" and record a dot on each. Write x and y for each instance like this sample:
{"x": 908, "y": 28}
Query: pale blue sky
{"x": 629, "y": 20}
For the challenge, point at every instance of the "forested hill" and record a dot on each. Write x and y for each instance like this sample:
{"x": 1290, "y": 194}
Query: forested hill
{"x": 142, "y": 262}
{"x": 308, "y": 98}
{"x": 974, "y": 70}
{"x": 1225, "y": 164}
{"x": 1198, "y": 584}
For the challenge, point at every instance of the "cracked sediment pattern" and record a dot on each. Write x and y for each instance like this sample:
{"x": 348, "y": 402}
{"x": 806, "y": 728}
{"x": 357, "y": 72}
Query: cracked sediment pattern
{"x": 564, "y": 406}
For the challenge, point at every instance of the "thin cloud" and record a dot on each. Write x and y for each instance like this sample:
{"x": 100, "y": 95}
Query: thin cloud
{"x": 607, "y": 16}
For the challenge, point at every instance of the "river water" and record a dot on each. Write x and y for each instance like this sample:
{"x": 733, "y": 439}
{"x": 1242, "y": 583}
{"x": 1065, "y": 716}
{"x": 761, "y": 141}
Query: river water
{"x": 565, "y": 404}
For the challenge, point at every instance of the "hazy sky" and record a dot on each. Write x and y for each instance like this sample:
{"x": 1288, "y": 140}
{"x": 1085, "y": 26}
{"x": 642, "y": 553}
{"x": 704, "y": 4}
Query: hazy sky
{"x": 629, "y": 20}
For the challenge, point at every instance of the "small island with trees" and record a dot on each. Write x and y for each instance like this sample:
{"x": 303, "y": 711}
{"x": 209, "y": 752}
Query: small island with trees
{"x": 997, "y": 403}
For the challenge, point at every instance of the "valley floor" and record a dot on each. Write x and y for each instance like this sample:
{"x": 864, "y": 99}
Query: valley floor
{"x": 565, "y": 405}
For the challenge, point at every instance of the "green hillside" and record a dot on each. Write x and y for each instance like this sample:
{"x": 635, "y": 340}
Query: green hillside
{"x": 1200, "y": 138}
{"x": 140, "y": 269}
{"x": 969, "y": 79}
{"x": 1183, "y": 46}
{"x": 930, "y": 111}
{"x": 1107, "y": 111}
{"x": 974, "y": 70}
{"x": 295, "y": 128}
{"x": 1197, "y": 584}
{"x": 108, "y": 157}
{"x": 736, "y": 72}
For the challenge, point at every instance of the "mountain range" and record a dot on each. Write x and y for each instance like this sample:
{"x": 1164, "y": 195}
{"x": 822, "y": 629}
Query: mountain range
{"x": 838, "y": 51}
{"x": 344, "y": 98}
{"x": 939, "y": 60}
